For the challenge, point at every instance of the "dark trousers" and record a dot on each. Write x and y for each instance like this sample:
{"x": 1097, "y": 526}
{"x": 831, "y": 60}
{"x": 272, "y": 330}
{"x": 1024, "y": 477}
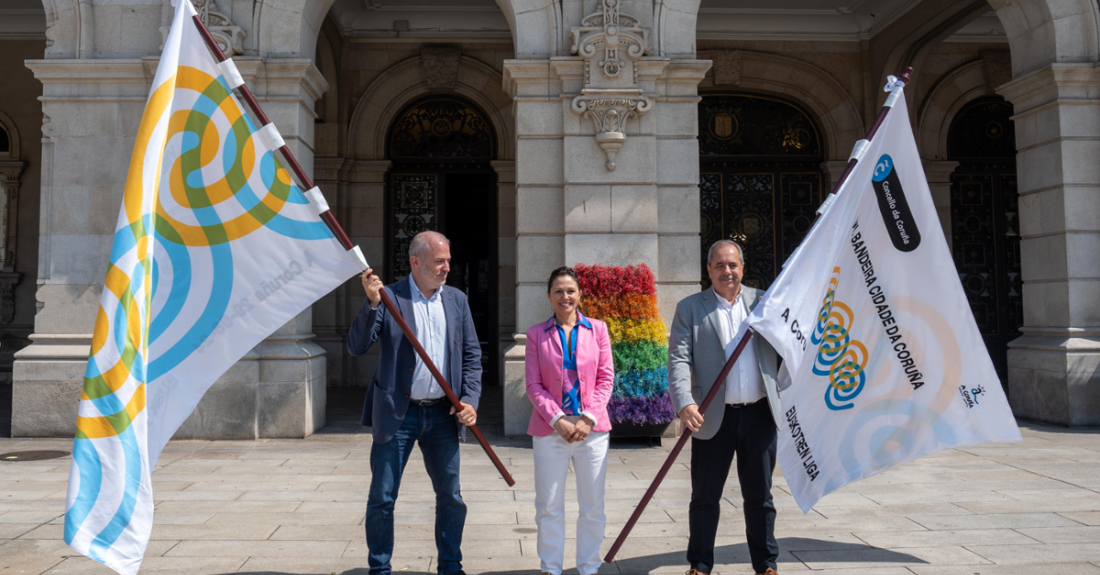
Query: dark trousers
{"x": 749, "y": 432}
{"x": 437, "y": 433}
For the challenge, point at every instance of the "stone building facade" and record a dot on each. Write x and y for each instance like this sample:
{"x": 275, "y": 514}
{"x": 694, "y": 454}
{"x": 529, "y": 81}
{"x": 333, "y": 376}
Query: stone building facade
{"x": 537, "y": 133}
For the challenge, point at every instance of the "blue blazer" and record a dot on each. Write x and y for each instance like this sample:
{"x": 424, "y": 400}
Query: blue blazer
{"x": 388, "y": 396}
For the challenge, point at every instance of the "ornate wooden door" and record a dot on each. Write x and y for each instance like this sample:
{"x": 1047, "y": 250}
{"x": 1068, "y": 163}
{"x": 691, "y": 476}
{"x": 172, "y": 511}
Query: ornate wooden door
{"x": 985, "y": 222}
{"x": 760, "y": 179}
{"x": 441, "y": 180}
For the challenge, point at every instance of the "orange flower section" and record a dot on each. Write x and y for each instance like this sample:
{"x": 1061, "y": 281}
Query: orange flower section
{"x": 636, "y": 306}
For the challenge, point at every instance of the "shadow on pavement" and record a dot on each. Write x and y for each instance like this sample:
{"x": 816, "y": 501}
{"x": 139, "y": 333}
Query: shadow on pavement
{"x": 828, "y": 551}
{"x": 819, "y": 551}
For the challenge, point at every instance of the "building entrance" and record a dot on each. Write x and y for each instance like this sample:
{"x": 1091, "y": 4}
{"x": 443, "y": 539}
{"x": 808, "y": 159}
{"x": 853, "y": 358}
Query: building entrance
{"x": 440, "y": 148}
{"x": 985, "y": 222}
{"x": 760, "y": 179}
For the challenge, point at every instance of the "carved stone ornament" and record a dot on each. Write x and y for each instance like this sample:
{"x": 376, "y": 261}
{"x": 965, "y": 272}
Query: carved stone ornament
{"x": 230, "y": 38}
{"x": 610, "y": 97}
{"x": 441, "y": 65}
{"x": 609, "y": 30}
{"x": 727, "y": 67}
{"x": 609, "y": 113}
{"x": 997, "y": 67}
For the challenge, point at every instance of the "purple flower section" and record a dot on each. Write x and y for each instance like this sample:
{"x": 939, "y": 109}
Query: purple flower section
{"x": 645, "y": 410}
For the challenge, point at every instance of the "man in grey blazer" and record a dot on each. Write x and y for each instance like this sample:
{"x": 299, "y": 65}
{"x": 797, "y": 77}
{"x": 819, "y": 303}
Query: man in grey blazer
{"x": 743, "y": 418}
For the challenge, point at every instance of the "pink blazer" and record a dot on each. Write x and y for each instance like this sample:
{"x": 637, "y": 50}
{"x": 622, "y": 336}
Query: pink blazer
{"x": 595, "y": 368}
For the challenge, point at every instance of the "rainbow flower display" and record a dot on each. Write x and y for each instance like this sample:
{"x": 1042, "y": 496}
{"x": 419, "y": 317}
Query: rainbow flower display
{"x": 626, "y": 298}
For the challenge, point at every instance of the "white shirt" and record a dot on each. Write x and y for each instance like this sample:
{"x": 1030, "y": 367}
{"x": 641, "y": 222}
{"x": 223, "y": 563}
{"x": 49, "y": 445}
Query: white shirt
{"x": 744, "y": 383}
{"x": 431, "y": 330}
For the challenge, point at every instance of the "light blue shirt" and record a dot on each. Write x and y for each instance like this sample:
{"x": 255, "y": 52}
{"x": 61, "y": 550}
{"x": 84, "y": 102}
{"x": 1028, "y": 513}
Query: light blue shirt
{"x": 431, "y": 330}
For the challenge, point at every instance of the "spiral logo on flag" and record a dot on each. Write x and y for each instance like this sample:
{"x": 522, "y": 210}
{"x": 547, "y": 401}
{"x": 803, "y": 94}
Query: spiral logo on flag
{"x": 839, "y": 356}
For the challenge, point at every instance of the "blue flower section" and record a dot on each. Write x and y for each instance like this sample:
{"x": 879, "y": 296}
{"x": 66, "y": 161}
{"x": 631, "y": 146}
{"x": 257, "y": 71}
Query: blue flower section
{"x": 641, "y": 382}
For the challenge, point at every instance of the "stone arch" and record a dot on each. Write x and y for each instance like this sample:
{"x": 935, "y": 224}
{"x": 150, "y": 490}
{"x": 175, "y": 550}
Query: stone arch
{"x": 1044, "y": 31}
{"x": 70, "y": 28}
{"x": 951, "y": 92}
{"x": 835, "y": 110}
{"x": 406, "y": 81}
{"x": 288, "y": 28}
{"x": 537, "y": 29}
{"x": 674, "y": 27}
{"x": 327, "y": 64}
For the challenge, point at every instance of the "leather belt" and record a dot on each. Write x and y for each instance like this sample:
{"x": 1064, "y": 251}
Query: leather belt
{"x": 428, "y": 402}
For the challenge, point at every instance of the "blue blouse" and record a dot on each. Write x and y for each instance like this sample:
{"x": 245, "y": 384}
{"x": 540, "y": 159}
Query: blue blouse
{"x": 571, "y": 384}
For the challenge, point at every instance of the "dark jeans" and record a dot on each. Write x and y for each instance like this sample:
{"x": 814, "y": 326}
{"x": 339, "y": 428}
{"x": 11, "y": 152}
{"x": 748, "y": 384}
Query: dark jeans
{"x": 437, "y": 433}
{"x": 749, "y": 432}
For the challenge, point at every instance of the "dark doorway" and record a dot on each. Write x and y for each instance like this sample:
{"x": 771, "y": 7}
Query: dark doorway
{"x": 441, "y": 180}
{"x": 760, "y": 179}
{"x": 985, "y": 232}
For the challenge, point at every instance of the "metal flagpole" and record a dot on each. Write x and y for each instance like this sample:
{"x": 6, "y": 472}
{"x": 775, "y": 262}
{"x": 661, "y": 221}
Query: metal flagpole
{"x": 235, "y": 81}
{"x": 857, "y": 153}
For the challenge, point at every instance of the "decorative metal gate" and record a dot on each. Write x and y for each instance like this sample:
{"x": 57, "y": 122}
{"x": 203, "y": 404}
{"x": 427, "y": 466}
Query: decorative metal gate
{"x": 985, "y": 222}
{"x": 760, "y": 179}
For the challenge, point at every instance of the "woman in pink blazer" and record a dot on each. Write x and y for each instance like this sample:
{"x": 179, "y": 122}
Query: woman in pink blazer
{"x": 569, "y": 379}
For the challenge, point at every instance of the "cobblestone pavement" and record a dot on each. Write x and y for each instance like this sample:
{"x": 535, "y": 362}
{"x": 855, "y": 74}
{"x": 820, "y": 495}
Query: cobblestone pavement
{"x": 296, "y": 506}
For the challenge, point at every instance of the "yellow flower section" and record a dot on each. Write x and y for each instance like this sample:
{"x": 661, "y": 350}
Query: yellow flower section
{"x": 631, "y": 330}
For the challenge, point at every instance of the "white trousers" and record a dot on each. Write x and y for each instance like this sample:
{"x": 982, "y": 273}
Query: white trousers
{"x": 552, "y": 457}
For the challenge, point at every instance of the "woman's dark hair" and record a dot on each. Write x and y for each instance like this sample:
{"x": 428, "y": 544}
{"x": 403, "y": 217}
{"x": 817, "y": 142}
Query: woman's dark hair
{"x": 562, "y": 271}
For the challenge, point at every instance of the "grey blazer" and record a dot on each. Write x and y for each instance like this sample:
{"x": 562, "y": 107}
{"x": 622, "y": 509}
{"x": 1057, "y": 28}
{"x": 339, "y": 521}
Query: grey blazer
{"x": 696, "y": 357}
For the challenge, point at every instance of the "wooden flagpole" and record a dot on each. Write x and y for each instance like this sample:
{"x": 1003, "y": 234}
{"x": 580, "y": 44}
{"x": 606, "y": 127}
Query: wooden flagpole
{"x": 330, "y": 220}
{"x": 686, "y": 433}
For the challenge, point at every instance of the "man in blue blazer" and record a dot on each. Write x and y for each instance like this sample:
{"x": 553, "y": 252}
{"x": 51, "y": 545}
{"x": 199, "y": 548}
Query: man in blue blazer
{"x": 405, "y": 405}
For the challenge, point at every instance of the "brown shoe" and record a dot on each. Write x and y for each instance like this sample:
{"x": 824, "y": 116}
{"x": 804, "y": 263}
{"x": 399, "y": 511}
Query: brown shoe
{"x": 694, "y": 572}
{"x": 769, "y": 571}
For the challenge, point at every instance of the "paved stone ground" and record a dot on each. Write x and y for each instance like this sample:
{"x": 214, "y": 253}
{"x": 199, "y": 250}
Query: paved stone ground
{"x": 296, "y": 506}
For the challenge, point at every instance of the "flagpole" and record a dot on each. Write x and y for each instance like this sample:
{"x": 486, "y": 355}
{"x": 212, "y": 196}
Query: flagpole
{"x": 342, "y": 237}
{"x": 686, "y": 433}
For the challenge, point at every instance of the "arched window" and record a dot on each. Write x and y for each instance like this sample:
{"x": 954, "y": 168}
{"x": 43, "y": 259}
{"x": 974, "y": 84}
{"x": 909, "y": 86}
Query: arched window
{"x": 441, "y": 127}
{"x": 760, "y": 178}
{"x": 5, "y": 141}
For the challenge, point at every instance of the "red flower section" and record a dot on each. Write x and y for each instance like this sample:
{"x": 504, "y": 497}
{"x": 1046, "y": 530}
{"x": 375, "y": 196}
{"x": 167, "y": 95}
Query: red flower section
{"x": 599, "y": 281}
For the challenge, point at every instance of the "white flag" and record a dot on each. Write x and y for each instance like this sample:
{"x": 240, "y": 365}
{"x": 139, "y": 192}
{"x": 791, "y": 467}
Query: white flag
{"x": 885, "y": 359}
{"x": 214, "y": 250}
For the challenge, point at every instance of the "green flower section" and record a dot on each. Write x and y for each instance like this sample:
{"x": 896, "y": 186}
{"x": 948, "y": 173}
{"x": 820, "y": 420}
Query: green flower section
{"x": 639, "y": 355}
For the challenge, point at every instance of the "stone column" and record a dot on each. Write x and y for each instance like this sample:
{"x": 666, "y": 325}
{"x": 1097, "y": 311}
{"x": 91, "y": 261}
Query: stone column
{"x": 939, "y": 173}
{"x": 330, "y": 317}
{"x": 607, "y": 170}
{"x": 365, "y": 220}
{"x": 92, "y": 109}
{"x": 1054, "y": 367}
{"x": 506, "y": 255}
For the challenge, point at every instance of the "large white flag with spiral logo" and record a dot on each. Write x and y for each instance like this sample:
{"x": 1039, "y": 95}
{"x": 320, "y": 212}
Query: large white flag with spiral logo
{"x": 215, "y": 248}
{"x": 885, "y": 359}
